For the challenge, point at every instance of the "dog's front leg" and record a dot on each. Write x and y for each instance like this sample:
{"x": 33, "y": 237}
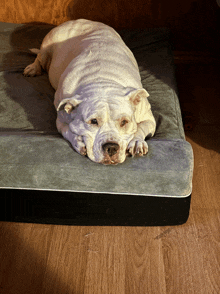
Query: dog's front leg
{"x": 75, "y": 140}
{"x": 138, "y": 145}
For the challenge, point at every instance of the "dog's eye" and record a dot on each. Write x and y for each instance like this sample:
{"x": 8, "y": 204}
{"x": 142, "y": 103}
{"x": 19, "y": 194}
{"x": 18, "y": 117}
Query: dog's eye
{"x": 94, "y": 121}
{"x": 123, "y": 122}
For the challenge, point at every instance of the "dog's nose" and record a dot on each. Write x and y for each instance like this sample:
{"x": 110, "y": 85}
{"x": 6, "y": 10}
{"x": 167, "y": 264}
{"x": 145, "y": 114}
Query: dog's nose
{"x": 110, "y": 148}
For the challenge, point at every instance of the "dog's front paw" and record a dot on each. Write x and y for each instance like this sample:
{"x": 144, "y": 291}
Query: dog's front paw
{"x": 81, "y": 146}
{"x": 137, "y": 147}
{"x": 75, "y": 140}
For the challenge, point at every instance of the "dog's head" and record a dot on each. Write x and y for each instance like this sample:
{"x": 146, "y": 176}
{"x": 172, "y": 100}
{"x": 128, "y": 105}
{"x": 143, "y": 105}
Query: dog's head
{"x": 107, "y": 124}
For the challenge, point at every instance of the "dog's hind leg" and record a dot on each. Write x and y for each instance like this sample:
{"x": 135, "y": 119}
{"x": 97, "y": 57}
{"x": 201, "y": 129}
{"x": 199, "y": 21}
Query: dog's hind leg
{"x": 34, "y": 69}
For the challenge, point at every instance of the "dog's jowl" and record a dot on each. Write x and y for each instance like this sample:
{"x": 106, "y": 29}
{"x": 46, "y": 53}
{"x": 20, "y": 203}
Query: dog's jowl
{"x": 102, "y": 108}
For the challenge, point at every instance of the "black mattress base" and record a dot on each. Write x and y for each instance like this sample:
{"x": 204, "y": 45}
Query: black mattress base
{"x": 68, "y": 208}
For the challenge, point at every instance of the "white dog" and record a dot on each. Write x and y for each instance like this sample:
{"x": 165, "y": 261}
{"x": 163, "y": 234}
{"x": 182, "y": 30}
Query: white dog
{"x": 102, "y": 108}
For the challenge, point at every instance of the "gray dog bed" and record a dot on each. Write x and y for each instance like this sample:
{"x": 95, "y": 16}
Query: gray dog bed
{"x": 44, "y": 180}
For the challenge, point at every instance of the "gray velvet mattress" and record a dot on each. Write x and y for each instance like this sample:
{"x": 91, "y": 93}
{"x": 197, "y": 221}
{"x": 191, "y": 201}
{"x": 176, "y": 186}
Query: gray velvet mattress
{"x": 34, "y": 157}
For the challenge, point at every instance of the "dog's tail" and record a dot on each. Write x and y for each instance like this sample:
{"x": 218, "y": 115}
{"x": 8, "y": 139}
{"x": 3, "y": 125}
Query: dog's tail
{"x": 35, "y": 50}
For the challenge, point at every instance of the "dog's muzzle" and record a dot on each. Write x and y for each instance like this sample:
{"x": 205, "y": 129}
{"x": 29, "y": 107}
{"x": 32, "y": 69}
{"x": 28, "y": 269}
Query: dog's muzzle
{"x": 110, "y": 150}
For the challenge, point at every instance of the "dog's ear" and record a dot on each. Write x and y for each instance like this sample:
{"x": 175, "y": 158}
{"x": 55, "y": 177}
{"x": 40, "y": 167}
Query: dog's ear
{"x": 136, "y": 96}
{"x": 138, "y": 99}
{"x": 69, "y": 103}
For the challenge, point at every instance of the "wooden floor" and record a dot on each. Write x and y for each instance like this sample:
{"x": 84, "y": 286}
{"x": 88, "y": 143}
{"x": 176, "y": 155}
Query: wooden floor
{"x": 40, "y": 259}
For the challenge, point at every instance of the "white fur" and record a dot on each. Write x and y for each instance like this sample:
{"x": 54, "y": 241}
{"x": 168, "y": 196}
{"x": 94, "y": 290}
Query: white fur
{"x": 95, "y": 76}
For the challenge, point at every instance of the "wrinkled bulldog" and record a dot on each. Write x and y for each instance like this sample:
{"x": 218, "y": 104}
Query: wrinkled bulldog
{"x": 102, "y": 108}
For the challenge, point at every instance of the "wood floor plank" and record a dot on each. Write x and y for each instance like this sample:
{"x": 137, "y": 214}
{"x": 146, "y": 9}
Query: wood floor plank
{"x": 106, "y": 261}
{"x": 67, "y": 260}
{"x": 183, "y": 262}
{"x": 206, "y": 178}
{"x": 23, "y": 257}
{"x": 144, "y": 261}
{"x": 208, "y": 238}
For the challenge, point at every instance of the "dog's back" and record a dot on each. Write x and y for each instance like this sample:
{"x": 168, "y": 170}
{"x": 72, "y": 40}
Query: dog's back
{"x": 99, "y": 47}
